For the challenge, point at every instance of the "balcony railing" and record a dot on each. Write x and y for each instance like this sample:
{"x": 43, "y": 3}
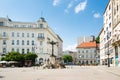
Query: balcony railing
{"x": 40, "y": 38}
{"x": 115, "y": 39}
{"x": 3, "y": 36}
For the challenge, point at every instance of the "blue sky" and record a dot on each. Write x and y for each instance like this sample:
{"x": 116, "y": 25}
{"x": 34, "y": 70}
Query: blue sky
{"x": 68, "y": 18}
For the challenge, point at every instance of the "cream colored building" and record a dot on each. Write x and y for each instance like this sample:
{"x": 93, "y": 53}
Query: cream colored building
{"x": 108, "y": 42}
{"x": 116, "y": 30}
{"x": 87, "y": 53}
{"x": 27, "y": 37}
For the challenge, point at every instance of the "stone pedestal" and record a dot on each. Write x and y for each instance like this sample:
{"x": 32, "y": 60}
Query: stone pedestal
{"x": 52, "y": 60}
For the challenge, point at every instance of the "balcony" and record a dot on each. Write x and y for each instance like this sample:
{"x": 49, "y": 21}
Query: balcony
{"x": 116, "y": 39}
{"x": 3, "y": 36}
{"x": 40, "y": 37}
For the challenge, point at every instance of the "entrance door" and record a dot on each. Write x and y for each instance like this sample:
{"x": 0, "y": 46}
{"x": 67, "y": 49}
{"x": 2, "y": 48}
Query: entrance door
{"x": 116, "y": 56}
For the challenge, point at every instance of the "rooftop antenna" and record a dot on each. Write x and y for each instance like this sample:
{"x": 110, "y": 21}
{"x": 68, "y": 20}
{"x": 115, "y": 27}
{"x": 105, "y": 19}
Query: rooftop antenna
{"x": 41, "y": 13}
{"x": 7, "y": 17}
{"x": 84, "y": 39}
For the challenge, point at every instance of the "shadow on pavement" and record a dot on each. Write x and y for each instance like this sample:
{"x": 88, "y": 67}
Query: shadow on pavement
{"x": 1, "y": 76}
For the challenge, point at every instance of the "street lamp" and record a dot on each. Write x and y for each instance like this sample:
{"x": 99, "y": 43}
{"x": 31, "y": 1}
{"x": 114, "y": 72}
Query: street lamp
{"x": 108, "y": 36}
{"x": 80, "y": 59}
{"x": 34, "y": 47}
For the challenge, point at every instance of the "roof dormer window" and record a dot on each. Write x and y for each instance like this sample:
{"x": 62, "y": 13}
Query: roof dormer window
{"x": 41, "y": 26}
{"x": 1, "y": 23}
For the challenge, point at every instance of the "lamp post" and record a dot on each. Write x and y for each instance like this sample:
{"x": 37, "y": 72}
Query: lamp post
{"x": 34, "y": 47}
{"x": 108, "y": 36}
{"x": 80, "y": 59}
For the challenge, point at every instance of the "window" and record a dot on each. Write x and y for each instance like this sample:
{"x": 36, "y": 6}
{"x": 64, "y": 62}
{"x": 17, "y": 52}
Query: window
{"x": 28, "y": 50}
{"x": 91, "y": 55}
{"x": 82, "y": 51}
{"x": 78, "y": 51}
{"x": 15, "y": 25}
{"x": 1, "y": 24}
{"x": 27, "y": 34}
{"x": 27, "y": 42}
{"x": 18, "y": 35}
{"x": 13, "y": 42}
{"x": 23, "y": 42}
{"x": 17, "y": 42}
{"x": 41, "y": 50}
{"x": 82, "y": 56}
{"x": 32, "y": 42}
{"x": 104, "y": 39}
{"x": 107, "y": 29}
{"x": 32, "y": 35}
{"x": 30, "y": 26}
{"x": 104, "y": 32}
{"x": 109, "y": 7}
{"x": 23, "y": 26}
{"x": 4, "y": 42}
{"x": 86, "y": 51}
{"x": 13, "y": 34}
{"x": 13, "y": 49}
{"x": 22, "y": 34}
{"x": 41, "y": 43}
{"x": 109, "y": 25}
{"x": 4, "y": 50}
{"x": 114, "y": 11}
{"x": 110, "y": 16}
{"x": 40, "y": 35}
{"x": 23, "y": 51}
{"x": 17, "y": 50}
{"x": 110, "y": 34}
{"x": 117, "y": 7}
{"x": 86, "y": 55}
{"x": 4, "y": 34}
{"x": 41, "y": 26}
{"x": 94, "y": 51}
{"x": 33, "y": 50}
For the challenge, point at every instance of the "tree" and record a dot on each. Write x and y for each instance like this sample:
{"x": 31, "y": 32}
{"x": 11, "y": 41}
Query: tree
{"x": 30, "y": 56}
{"x": 67, "y": 58}
{"x": 98, "y": 39}
{"x": 13, "y": 56}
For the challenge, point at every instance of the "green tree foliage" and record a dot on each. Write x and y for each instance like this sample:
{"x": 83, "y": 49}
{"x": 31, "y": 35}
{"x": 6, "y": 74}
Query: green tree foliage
{"x": 15, "y": 56}
{"x": 98, "y": 39}
{"x": 67, "y": 58}
{"x": 30, "y": 56}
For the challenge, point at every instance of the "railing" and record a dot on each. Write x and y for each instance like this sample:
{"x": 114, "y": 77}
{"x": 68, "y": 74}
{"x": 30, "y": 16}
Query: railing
{"x": 3, "y": 36}
{"x": 41, "y": 38}
{"x": 116, "y": 38}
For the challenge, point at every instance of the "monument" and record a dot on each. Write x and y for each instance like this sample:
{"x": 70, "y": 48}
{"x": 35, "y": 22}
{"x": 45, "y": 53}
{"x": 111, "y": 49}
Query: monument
{"x": 53, "y": 63}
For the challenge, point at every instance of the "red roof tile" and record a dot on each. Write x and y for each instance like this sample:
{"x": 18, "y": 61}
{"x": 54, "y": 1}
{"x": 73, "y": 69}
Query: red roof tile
{"x": 87, "y": 45}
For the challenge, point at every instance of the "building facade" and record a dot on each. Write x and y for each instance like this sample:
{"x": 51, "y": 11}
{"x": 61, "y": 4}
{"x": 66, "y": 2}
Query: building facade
{"x": 25, "y": 37}
{"x": 73, "y": 54}
{"x": 87, "y": 53}
{"x": 85, "y": 39}
{"x": 109, "y": 35}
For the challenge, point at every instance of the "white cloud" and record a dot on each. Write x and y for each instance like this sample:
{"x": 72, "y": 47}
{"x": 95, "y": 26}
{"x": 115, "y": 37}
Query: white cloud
{"x": 69, "y": 6}
{"x": 81, "y": 6}
{"x": 56, "y": 2}
{"x": 66, "y": 11}
{"x": 71, "y": 47}
{"x": 96, "y": 15}
{"x": 76, "y": 0}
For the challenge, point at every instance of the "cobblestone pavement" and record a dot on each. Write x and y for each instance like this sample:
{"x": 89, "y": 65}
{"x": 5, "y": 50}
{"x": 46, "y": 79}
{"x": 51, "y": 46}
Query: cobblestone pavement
{"x": 70, "y": 73}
